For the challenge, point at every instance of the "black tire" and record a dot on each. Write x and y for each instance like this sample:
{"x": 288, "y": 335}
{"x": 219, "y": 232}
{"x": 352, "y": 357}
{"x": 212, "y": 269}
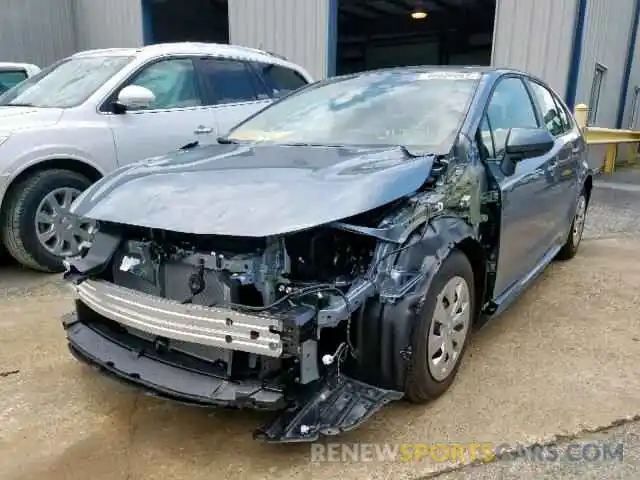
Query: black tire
{"x": 570, "y": 248}
{"x": 18, "y": 223}
{"x": 421, "y": 386}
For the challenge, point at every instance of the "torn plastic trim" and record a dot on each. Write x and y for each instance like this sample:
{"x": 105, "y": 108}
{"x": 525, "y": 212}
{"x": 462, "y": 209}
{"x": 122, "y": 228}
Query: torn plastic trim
{"x": 401, "y": 225}
{"x": 340, "y": 405}
{"x": 95, "y": 259}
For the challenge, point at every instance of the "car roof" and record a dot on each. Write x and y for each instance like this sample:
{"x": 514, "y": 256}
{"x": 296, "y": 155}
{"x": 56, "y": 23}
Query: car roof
{"x": 193, "y": 48}
{"x": 444, "y": 69}
{"x": 28, "y": 66}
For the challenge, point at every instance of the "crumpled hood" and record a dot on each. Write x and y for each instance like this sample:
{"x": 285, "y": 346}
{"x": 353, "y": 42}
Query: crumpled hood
{"x": 18, "y": 118}
{"x": 255, "y": 191}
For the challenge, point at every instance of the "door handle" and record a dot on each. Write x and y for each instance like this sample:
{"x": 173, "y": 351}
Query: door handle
{"x": 202, "y": 130}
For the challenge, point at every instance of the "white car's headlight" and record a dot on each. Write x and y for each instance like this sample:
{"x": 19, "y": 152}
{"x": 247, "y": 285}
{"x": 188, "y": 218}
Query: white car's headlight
{"x": 3, "y": 137}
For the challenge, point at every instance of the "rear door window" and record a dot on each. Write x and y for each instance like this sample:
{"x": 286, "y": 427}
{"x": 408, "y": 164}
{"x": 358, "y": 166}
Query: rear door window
{"x": 551, "y": 114}
{"x": 281, "y": 80}
{"x": 10, "y": 78}
{"x": 230, "y": 81}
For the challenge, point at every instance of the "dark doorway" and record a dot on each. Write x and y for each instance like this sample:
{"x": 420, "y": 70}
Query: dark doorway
{"x": 188, "y": 21}
{"x": 387, "y": 33}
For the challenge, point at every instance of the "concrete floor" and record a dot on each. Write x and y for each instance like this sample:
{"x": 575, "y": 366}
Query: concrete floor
{"x": 561, "y": 362}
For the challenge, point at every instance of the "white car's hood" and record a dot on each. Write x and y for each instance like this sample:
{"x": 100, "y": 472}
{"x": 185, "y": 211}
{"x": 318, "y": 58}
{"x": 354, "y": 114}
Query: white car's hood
{"x": 18, "y": 118}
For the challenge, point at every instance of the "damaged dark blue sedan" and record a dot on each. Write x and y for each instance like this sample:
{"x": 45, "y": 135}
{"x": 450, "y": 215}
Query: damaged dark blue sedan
{"x": 334, "y": 251}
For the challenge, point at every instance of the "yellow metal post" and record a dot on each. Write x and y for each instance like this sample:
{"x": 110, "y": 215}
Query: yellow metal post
{"x": 610, "y": 158}
{"x": 582, "y": 114}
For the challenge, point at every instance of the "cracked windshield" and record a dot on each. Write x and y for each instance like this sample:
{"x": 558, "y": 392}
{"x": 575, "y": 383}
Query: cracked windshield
{"x": 421, "y": 111}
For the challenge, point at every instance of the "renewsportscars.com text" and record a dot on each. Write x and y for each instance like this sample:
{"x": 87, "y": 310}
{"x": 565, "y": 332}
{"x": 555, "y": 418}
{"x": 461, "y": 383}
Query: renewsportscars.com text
{"x": 465, "y": 452}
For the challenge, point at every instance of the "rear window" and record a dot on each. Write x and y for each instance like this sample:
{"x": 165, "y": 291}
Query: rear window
{"x": 232, "y": 81}
{"x": 11, "y": 78}
{"x": 282, "y": 80}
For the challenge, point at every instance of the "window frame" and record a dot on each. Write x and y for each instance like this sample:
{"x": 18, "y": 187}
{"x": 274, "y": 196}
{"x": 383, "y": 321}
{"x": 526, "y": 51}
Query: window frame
{"x": 106, "y": 106}
{"x": 635, "y": 106}
{"x": 599, "y": 78}
{"x": 523, "y": 80}
{"x": 561, "y": 105}
{"x": 211, "y": 98}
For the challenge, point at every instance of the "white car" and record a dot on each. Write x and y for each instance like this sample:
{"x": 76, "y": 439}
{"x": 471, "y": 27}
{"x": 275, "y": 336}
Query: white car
{"x": 12, "y": 74}
{"x": 88, "y": 114}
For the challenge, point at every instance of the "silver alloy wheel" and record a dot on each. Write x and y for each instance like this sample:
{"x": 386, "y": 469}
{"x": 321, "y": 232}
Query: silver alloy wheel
{"x": 578, "y": 221}
{"x": 449, "y": 328}
{"x": 58, "y": 231}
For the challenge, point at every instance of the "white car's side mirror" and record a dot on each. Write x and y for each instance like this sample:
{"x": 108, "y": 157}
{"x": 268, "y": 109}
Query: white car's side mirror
{"x": 134, "y": 96}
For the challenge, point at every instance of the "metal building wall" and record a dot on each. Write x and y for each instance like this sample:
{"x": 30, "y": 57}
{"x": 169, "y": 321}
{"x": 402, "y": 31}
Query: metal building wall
{"x": 297, "y": 29}
{"x": 111, "y": 23}
{"x": 536, "y": 36}
{"x": 36, "y": 31}
{"x": 605, "y": 41}
{"x": 634, "y": 83}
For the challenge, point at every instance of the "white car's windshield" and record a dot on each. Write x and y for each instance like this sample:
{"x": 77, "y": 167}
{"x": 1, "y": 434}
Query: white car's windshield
{"x": 65, "y": 84}
{"x": 419, "y": 110}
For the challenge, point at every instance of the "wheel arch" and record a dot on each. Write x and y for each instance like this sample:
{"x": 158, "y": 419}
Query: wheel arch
{"x": 588, "y": 187}
{"x": 384, "y": 330}
{"x": 62, "y": 163}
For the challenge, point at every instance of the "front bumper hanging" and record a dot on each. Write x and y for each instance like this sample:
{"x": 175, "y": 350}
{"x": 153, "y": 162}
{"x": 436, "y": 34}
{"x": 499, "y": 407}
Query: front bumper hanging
{"x": 333, "y": 405}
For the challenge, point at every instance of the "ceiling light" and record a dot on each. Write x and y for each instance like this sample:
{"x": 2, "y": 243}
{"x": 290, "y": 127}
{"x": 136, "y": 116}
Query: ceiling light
{"x": 418, "y": 15}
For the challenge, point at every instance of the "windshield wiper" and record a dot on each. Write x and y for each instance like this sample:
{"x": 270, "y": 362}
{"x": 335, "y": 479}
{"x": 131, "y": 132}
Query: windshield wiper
{"x": 17, "y": 105}
{"x": 226, "y": 140}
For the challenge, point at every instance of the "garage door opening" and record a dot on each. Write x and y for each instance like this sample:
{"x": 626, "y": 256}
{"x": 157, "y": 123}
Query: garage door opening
{"x": 389, "y": 33}
{"x": 192, "y": 21}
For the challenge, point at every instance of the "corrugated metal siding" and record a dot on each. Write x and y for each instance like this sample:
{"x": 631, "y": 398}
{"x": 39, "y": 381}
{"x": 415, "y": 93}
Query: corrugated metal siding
{"x": 634, "y": 82}
{"x": 536, "y": 36}
{"x": 606, "y": 39}
{"x": 296, "y": 29}
{"x": 110, "y": 23}
{"x": 36, "y": 31}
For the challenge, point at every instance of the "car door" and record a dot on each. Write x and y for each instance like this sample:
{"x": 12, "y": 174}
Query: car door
{"x": 569, "y": 147}
{"x": 527, "y": 223}
{"x": 177, "y": 116}
{"x": 233, "y": 89}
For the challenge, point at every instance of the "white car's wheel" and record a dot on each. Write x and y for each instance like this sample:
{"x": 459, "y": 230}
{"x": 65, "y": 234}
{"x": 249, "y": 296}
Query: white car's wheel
{"x": 38, "y": 230}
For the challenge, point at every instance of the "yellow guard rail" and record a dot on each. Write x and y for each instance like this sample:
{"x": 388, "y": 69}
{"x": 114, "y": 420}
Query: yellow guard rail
{"x": 605, "y": 136}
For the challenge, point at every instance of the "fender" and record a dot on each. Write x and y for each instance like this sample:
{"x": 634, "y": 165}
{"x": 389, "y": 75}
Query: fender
{"x": 384, "y": 329}
{"x": 20, "y": 165}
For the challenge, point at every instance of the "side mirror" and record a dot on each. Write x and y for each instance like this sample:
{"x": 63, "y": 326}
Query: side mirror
{"x": 523, "y": 143}
{"x": 134, "y": 96}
